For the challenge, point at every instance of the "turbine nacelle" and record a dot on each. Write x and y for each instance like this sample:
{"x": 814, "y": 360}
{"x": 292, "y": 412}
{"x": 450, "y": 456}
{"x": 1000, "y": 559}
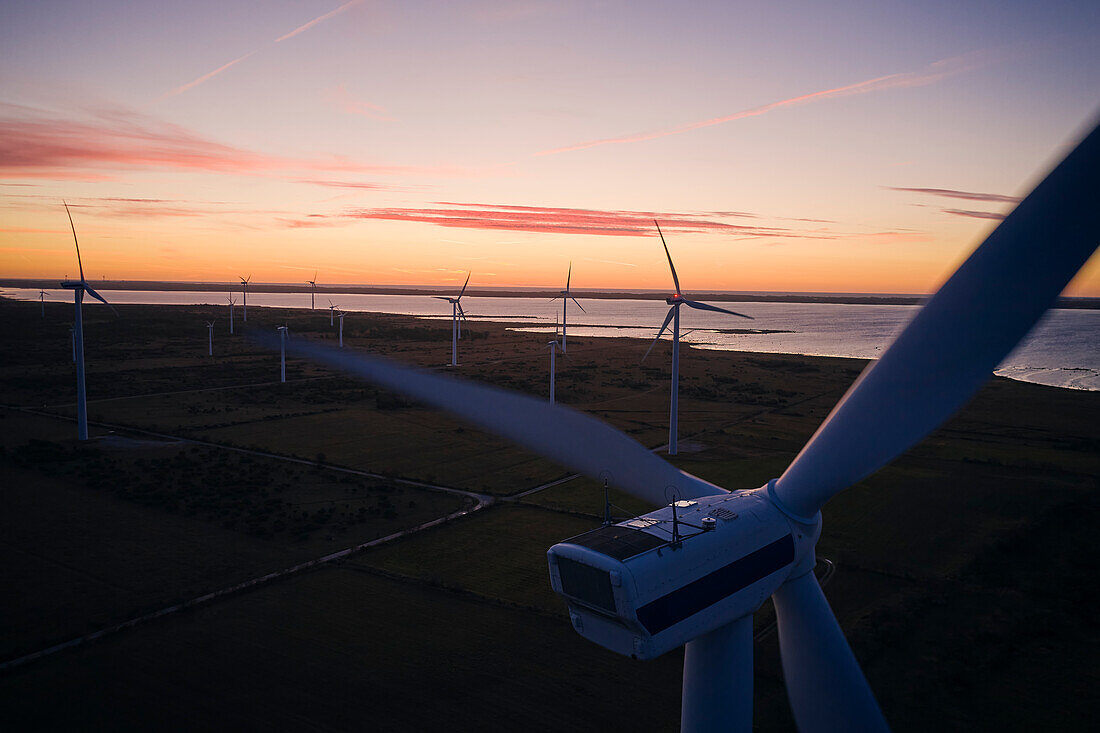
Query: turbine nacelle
{"x": 674, "y": 299}
{"x": 655, "y": 582}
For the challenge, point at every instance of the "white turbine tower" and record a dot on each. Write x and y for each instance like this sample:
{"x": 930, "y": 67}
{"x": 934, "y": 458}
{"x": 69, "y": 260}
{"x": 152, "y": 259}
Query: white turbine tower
{"x": 284, "y": 334}
{"x": 553, "y": 346}
{"x": 42, "y": 295}
{"x": 676, "y": 300}
{"x": 693, "y": 573}
{"x": 231, "y": 304}
{"x": 80, "y": 287}
{"x": 341, "y": 317}
{"x": 313, "y": 290}
{"x": 565, "y": 298}
{"x": 456, "y": 314}
{"x": 332, "y": 313}
{"x": 210, "y": 337}
{"x": 244, "y": 296}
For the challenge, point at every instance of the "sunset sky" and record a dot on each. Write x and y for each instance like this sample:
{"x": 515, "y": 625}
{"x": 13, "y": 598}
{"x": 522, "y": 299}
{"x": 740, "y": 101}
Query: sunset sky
{"x": 791, "y": 146}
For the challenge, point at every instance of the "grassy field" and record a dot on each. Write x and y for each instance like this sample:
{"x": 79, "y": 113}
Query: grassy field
{"x": 963, "y": 570}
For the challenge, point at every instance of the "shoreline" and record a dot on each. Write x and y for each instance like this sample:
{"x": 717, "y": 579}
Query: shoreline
{"x": 839, "y": 298}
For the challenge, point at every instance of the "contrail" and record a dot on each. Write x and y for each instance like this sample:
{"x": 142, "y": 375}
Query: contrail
{"x": 205, "y": 77}
{"x": 318, "y": 19}
{"x": 929, "y": 75}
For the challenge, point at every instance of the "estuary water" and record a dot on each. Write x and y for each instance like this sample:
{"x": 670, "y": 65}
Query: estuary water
{"x": 1063, "y": 350}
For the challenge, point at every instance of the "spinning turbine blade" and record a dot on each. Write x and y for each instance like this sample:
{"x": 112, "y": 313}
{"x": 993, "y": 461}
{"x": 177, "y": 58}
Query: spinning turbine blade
{"x": 564, "y": 435}
{"x": 568, "y": 276}
{"x": 668, "y": 319}
{"x": 825, "y": 686}
{"x": 77, "y": 243}
{"x": 578, "y": 304}
{"x": 465, "y": 284}
{"x": 707, "y": 307}
{"x": 956, "y": 340}
{"x": 100, "y": 298}
{"x": 671, "y": 266}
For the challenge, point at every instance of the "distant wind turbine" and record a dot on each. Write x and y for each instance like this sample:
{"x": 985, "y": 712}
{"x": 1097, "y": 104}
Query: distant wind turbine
{"x": 231, "y": 304}
{"x": 313, "y": 290}
{"x": 676, "y": 300}
{"x": 244, "y": 293}
{"x": 42, "y": 295}
{"x": 284, "y": 334}
{"x": 565, "y": 298}
{"x": 210, "y": 338}
{"x": 332, "y": 312}
{"x": 341, "y": 317}
{"x": 553, "y": 346}
{"x": 79, "y": 287}
{"x": 456, "y": 313}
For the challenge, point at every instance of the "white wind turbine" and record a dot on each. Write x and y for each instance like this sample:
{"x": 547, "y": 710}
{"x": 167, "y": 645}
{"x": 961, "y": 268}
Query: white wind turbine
{"x": 694, "y": 572}
{"x": 553, "y": 346}
{"x": 675, "y": 301}
{"x": 231, "y": 304}
{"x": 456, "y": 314}
{"x": 42, "y": 295}
{"x": 313, "y": 290}
{"x": 284, "y": 334}
{"x": 565, "y": 298}
{"x": 79, "y": 287}
{"x": 331, "y": 312}
{"x": 210, "y": 337}
{"x": 244, "y": 296}
{"x": 341, "y": 317}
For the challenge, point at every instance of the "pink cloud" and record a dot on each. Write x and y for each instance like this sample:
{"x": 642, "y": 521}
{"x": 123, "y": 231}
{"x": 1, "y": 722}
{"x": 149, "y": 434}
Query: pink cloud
{"x": 36, "y": 146}
{"x": 975, "y": 214}
{"x": 966, "y": 195}
{"x": 930, "y": 74}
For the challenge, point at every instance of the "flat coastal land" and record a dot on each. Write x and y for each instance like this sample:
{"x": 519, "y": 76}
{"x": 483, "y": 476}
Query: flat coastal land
{"x": 333, "y": 556}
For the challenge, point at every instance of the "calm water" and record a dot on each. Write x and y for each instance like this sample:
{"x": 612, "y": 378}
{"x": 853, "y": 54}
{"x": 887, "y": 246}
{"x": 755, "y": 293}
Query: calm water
{"x": 1063, "y": 350}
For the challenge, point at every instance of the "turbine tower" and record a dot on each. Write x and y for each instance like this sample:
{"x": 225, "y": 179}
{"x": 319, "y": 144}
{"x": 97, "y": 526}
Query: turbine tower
{"x": 565, "y": 298}
{"x": 79, "y": 287}
{"x": 693, "y": 572}
{"x": 42, "y": 295}
{"x": 675, "y": 301}
{"x": 231, "y": 304}
{"x": 331, "y": 312}
{"x": 313, "y": 290}
{"x": 456, "y": 313}
{"x": 284, "y": 334}
{"x": 210, "y": 338}
{"x": 553, "y": 346}
{"x": 244, "y": 296}
{"x": 341, "y": 317}
{"x": 72, "y": 342}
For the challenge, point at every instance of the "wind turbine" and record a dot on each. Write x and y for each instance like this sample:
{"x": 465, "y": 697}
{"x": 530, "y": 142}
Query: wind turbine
{"x": 42, "y": 295}
{"x": 231, "y": 304}
{"x": 651, "y": 589}
{"x": 210, "y": 338}
{"x": 456, "y": 313}
{"x": 79, "y": 287}
{"x": 284, "y": 334}
{"x": 244, "y": 295}
{"x": 313, "y": 290}
{"x": 676, "y": 300}
{"x": 331, "y": 312}
{"x": 565, "y": 298}
{"x": 553, "y": 346}
{"x": 341, "y": 317}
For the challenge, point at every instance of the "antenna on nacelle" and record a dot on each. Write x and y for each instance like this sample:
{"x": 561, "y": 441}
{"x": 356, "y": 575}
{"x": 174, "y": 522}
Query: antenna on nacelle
{"x": 673, "y": 496}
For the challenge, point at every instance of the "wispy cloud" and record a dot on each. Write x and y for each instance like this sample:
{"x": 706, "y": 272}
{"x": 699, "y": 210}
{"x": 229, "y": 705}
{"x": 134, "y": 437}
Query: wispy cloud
{"x": 206, "y": 77}
{"x": 347, "y": 103}
{"x": 966, "y": 195}
{"x": 34, "y": 145}
{"x": 562, "y": 220}
{"x": 318, "y": 19}
{"x": 930, "y": 74}
{"x": 975, "y": 214}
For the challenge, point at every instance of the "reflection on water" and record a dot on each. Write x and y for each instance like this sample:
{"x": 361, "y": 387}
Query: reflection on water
{"x": 1063, "y": 350}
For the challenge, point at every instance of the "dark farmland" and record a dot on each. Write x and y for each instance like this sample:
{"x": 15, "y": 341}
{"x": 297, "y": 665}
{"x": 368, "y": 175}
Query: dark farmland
{"x": 963, "y": 571}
